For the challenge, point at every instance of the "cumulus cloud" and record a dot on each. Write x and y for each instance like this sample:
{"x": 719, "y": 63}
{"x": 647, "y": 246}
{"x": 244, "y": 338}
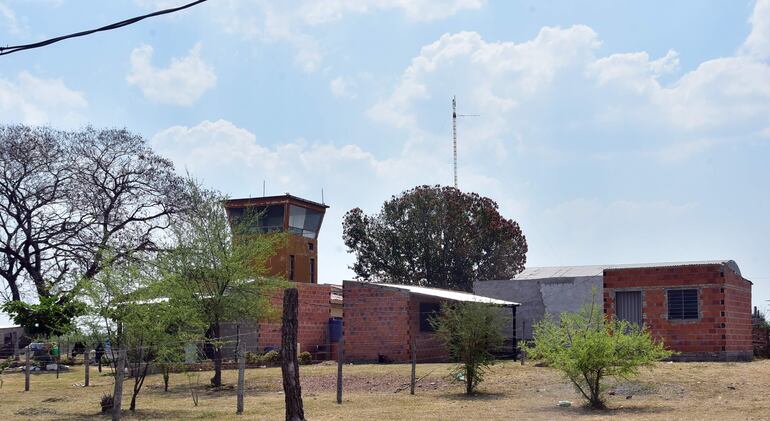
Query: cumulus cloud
{"x": 523, "y": 89}
{"x": 757, "y": 44}
{"x": 182, "y": 83}
{"x": 36, "y": 101}
{"x": 235, "y": 161}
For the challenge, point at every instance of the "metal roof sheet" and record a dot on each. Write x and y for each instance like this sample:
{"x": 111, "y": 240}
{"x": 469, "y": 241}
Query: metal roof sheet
{"x": 598, "y": 270}
{"x": 444, "y": 293}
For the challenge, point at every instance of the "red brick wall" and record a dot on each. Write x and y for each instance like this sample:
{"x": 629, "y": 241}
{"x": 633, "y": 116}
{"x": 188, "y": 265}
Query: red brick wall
{"x": 723, "y": 329}
{"x": 376, "y": 322}
{"x": 429, "y": 347}
{"x": 313, "y": 317}
{"x": 761, "y": 341}
{"x": 737, "y": 313}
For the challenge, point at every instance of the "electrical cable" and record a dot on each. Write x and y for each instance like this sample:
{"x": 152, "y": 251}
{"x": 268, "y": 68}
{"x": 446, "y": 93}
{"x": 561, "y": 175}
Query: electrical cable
{"x": 116, "y": 25}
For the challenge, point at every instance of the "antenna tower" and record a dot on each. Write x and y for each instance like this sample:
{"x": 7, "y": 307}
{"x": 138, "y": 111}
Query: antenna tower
{"x": 454, "y": 133}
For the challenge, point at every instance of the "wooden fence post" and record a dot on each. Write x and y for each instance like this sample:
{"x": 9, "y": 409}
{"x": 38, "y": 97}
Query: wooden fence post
{"x": 241, "y": 372}
{"x": 26, "y": 370}
{"x": 87, "y": 365}
{"x": 340, "y": 356}
{"x": 289, "y": 363}
{"x": 524, "y": 347}
{"x": 414, "y": 366}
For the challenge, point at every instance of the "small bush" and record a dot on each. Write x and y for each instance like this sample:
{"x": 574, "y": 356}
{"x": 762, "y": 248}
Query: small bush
{"x": 252, "y": 358}
{"x": 271, "y": 357}
{"x": 107, "y": 403}
{"x": 305, "y": 358}
{"x": 587, "y": 348}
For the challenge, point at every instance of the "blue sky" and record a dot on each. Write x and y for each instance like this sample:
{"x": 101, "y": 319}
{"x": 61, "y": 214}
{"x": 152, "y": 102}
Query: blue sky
{"x": 613, "y": 131}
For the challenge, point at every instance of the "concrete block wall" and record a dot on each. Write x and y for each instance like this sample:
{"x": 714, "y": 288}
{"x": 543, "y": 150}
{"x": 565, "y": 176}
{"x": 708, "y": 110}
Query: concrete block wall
{"x": 720, "y": 330}
{"x": 376, "y": 322}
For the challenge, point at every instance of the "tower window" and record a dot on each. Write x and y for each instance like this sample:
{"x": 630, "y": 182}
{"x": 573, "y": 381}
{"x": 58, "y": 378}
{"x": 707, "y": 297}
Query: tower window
{"x": 291, "y": 267}
{"x": 312, "y": 270}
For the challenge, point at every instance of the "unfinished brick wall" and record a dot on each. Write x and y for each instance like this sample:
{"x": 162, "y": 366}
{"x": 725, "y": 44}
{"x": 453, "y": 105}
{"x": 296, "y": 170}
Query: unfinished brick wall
{"x": 313, "y": 318}
{"x": 723, "y": 327}
{"x": 761, "y": 341}
{"x": 429, "y": 347}
{"x": 376, "y": 322}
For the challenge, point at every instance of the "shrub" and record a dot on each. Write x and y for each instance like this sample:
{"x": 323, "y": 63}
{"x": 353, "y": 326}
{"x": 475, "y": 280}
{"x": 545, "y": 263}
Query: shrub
{"x": 305, "y": 358}
{"x": 587, "y": 347}
{"x": 107, "y": 402}
{"x": 271, "y": 357}
{"x": 471, "y": 331}
{"x": 252, "y": 358}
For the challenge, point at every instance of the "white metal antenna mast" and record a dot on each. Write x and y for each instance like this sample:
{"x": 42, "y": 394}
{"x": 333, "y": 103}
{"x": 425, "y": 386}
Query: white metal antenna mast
{"x": 454, "y": 133}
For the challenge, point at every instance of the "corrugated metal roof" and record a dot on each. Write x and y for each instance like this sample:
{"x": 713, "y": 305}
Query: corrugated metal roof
{"x": 598, "y": 270}
{"x": 444, "y": 293}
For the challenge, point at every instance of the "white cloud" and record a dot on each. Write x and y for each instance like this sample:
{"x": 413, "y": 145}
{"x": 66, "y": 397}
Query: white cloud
{"x": 182, "y": 83}
{"x": 757, "y": 44}
{"x": 341, "y": 87}
{"x": 37, "y": 101}
{"x": 292, "y": 22}
{"x": 538, "y": 94}
{"x": 234, "y": 160}
{"x": 11, "y": 23}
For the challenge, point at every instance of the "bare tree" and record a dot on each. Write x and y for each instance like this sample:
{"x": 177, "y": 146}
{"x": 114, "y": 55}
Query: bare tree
{"x": 37, "y": 224}
{"x": 72, "y": 203}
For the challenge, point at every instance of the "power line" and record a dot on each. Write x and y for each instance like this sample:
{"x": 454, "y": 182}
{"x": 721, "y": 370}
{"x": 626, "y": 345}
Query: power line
{"x": 15, "y": 48}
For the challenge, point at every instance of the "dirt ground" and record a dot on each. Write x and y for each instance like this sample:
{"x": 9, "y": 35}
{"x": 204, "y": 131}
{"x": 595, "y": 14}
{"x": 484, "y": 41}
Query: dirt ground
{"x": 680, "y": 391}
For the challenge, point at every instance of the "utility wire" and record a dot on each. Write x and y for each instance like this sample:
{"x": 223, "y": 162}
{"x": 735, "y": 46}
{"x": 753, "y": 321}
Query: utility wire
{"x": 15, "y": 48}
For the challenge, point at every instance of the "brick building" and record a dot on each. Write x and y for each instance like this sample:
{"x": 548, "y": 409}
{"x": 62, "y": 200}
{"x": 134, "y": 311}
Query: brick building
{"x": 381, "y": 320}
{"x": 701, "y": 310}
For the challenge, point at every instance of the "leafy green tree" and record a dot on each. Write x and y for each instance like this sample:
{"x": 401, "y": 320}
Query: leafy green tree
{"x": 130, "y": 306}
{"x": 219, "y": 268}
{"x": 471, "y": 332}
{"x": 435, "y": 236}
{"x": 51, "y": 317}
{"x": 588, "y": 348}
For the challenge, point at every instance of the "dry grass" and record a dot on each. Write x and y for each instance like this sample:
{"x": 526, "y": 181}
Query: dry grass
{"x": 682, "y": 391}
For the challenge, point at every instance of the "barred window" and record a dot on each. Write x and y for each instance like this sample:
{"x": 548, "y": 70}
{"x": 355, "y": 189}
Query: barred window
{"x": 682, "y": 304}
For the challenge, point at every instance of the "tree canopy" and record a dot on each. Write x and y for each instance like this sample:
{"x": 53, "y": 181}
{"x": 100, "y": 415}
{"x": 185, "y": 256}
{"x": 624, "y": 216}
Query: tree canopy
{"x": 435, "y": 236}
{"x": 73, "y": 202}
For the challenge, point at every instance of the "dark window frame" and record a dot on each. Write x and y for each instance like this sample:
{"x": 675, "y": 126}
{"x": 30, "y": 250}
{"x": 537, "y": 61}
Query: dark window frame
{"x": 427, "y": 310}
{"x": 291, "y": 267}
{"x": 683, "y": 304}
{"x": 312, "y": 271}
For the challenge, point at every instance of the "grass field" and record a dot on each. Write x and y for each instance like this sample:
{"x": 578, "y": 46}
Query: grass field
{"x": 680, "y": 391}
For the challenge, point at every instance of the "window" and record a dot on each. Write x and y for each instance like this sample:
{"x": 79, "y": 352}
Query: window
{"x": 303, "y": 221}
{"x": 312, "y": 270}
{"x": 427, "y": 310}
{"x": 262, "y": 219}
{"x": 682, "y": 304}
{"x": 310, "y": 246}
{"x": 291, "y": 267}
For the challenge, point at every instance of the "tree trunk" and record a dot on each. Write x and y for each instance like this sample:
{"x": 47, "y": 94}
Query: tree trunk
{"x": 166, "y": 376}
{"x": 117, "y": 394}
{"x": 289, "y": 364}
{"x": 216, "y": 381}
